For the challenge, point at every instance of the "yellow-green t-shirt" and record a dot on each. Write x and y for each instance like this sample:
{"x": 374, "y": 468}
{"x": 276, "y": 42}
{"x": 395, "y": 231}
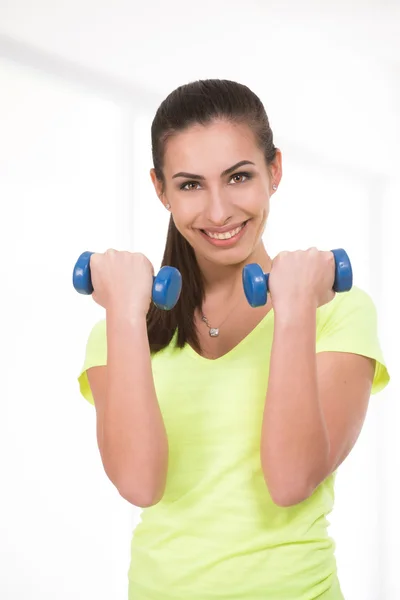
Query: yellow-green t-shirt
{"x": 216, "y": 534}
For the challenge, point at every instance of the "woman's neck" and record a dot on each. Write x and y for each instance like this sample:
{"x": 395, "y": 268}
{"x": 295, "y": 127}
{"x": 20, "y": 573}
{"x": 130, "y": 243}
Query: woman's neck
{"x": 225, "y": 281}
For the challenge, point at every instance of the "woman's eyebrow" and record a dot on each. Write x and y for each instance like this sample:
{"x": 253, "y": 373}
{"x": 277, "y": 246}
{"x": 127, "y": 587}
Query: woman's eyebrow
{"x": 226, "y": 172}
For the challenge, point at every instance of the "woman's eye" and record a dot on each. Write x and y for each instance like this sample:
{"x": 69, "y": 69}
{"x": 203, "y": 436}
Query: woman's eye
{"x": 184, "y": 186}
{"x": 240, "y": 175}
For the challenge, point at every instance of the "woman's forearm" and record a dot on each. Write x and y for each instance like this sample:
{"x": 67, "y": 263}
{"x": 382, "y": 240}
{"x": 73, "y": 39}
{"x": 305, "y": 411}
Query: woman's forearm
{"x": 134, "y": 439}
{"x": 294, "y": 442}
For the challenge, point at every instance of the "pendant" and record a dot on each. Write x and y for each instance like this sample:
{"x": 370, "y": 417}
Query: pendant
{"x": 214, "y": 332}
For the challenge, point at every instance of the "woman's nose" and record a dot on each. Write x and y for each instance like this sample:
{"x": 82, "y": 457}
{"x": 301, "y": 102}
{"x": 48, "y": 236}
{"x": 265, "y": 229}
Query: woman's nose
{"x": 218, "y": 209}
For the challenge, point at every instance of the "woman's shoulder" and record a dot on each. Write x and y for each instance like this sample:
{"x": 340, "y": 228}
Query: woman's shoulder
{"x": 355, "y": 300}
{"x": 349, "y": 323}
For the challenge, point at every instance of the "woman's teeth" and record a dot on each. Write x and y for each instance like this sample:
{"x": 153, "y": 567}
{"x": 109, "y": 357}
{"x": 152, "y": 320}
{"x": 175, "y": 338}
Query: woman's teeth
{"x": 226, "y": 235}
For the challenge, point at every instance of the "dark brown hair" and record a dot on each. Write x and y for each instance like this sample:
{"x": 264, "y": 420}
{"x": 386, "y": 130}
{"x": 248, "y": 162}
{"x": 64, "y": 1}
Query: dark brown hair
{"x": 199, "y": 102}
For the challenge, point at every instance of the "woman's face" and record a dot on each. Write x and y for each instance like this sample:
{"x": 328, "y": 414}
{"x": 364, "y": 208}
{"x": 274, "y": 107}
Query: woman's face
{"x": 218, "y": 187}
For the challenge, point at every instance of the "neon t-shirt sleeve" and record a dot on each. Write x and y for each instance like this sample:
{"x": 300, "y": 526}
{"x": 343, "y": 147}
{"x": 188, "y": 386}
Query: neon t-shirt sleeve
{"x": 95, "y": 356}
{"x": 349, "y": 324}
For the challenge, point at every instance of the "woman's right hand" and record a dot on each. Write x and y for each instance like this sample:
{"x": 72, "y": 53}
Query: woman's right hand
{"x": 123, "y": 280}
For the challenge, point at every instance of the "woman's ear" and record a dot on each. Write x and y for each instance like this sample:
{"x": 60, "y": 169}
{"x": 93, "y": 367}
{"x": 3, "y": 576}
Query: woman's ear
{"x": 276, "y": 169}
{"x": 158, "y": 186}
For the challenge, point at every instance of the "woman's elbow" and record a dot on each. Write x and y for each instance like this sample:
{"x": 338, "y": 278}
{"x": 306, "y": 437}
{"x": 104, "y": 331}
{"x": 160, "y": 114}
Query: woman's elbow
{"x": 290, "y": 493}
{"x": 140, "y": 499}
{"x": 289, "y": 497}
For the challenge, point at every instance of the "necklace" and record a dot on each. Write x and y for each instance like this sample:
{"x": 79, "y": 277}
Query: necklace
{"x": 214, "y": 331}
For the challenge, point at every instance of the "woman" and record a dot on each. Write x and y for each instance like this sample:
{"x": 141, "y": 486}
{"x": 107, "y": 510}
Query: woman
{"x": 228, "y": 441}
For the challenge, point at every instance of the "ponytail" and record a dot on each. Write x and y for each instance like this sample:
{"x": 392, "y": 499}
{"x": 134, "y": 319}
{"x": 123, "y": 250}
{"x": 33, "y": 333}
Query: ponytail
{"x": 162, "y": 324}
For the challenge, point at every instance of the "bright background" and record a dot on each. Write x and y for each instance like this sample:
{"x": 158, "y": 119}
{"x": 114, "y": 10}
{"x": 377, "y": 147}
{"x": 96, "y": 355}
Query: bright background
{"x": 79, "y": 85}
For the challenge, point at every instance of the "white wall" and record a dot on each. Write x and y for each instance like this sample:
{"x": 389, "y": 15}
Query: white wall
{"x": 74, "y": 175}
{"x": 64, "y": 530}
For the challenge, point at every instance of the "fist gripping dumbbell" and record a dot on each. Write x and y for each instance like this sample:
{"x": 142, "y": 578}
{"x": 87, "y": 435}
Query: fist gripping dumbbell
{"x": 167, "y": 284}
{"x": 255, "y": 281}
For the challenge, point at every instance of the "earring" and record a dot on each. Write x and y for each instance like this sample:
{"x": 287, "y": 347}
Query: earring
{"x": 274, "y": 187}
{"x": 167, "y": 206}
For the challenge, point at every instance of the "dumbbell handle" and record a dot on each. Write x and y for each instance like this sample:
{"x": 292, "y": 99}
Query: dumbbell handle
{"x": 167, "y": 285}
{"x": 256, "y": 282}
{"x": 343, "y": 273}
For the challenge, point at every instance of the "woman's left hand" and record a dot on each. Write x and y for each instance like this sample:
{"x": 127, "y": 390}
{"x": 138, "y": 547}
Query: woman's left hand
{"x": 302, "y": 277}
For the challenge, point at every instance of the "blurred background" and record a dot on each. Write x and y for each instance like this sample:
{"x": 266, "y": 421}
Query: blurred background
{"x": 80, "y": 82}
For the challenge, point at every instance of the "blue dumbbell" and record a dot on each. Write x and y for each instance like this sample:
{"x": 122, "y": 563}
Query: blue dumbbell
{"x": 167, "y": 285}
{"x": 255, "y": 281}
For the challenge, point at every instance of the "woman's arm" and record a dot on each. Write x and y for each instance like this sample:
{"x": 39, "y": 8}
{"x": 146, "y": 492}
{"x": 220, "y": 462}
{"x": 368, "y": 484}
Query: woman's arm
{"x": 314, "y": 410}
{"x": 130, "y": 430}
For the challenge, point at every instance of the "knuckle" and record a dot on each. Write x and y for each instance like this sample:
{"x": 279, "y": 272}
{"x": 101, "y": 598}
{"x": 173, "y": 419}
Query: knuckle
{"x": 94, "y": 259}
{"x": 111, "y": 253}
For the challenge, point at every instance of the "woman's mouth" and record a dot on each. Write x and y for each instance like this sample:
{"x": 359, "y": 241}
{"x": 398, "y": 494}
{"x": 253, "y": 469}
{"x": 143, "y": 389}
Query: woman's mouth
{"x": 227, "y": 238}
